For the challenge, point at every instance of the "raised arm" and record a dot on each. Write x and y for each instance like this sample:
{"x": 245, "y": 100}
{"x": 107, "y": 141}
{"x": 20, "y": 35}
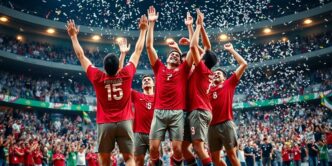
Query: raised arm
{"x": 205, "y": 39}
{"x": 189, "y": 23}
{"x": 72, "y": 32}
{"x": 143, "y": 25}
{"x": 243, "y": 63}
{"x": 194, "y": 41}
{"x": 124, "y": 48}
{"x": 173, "y": 45}
{"x": 152, "y": 17}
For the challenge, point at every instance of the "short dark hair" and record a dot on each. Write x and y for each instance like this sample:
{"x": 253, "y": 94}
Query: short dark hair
{"x": 111, "y": 64}
{"x": 223, "y": 71}
{"x": 176, "y": 52}
{"x": 210, "y": 58}
{"x": 145, "y": 75}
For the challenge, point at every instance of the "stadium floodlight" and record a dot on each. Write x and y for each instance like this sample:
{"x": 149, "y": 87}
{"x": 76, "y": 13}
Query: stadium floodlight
{"x": 223, "y": 37}
{"x": 307, "y": 21}
{"x": 267, "y": 30}
{"x": 3, "y": 19}
{"x": 50, "y": 30}
{"x": 96, "y": 37}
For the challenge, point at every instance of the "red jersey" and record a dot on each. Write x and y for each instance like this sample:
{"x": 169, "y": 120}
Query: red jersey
{"x": 297, "y": 153}
{"x": 92, "y": 159}
{"x": 199, "y": 88}
{"x": 329, "y": 138}
{"x": 38, "y": 157}
{"x": 13, "y": 158}
{"x": 28, "y": 156}
{"x": 58, "y": 159}
{"x": 113, "y": 93}
{"x": 19, "y": 157}
{"x": 285, "y": 154}
{"x": 170, "y": 86}
{"x": 144, "y": 107}
{"x": 222, "y": 100}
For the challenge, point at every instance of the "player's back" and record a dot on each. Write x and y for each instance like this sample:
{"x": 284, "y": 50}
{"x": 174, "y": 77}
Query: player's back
{"x": 113, "y": 94}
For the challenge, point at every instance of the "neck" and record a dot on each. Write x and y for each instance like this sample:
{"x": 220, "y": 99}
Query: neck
{"x": 170, "y": 66}
{"x": 148, "y": 91}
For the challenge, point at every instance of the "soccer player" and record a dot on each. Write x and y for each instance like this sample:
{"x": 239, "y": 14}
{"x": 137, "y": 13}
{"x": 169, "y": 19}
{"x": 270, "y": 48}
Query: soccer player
{"x": 144, "y": 107}
{"x": 113, "y": 91}
{"x": 170, "y": 92}
{"x": 200, "y": 107}
{"x": 222, "y": 129}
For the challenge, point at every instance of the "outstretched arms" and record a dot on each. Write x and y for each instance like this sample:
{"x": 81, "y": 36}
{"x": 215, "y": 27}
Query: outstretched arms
{"x": 243, "y": 63}
{"x": 72, "y": 32}
{"x": 124, "y": 48}
{"x": 194, "y": 41}
{"x": 205, "y": 39}
{"x": 143, "y": 25}
{"x": 152, "y": 17}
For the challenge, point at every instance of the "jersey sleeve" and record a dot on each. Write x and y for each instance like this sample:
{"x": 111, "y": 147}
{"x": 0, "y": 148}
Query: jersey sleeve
{"x": 156, "y": 66}
{"x": 201, "y": 67}
{"x": 134, "y": 94}
{"x": 233, "y": 81}
{"x": 93, "y": 73}
{"x": 130, "y": 69}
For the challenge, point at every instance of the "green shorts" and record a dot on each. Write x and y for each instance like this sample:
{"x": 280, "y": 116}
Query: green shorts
{"x": 119, "y": 132}
{"x": 222, "y": 134}
{"x": 167, "y": 120}
{"x": 141, "y": 143}
{"x": 199, "y": 124}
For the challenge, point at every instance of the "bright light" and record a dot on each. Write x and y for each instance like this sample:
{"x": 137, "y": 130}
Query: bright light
{"x": 267, "y": 30}
{"x": 168, "y": 40}
{"x": 96, "y": 37}
{"x": 19, "y": 37}
{"x": 307, "y": 21}
{"x": 119, "y": 39}
{"x": 3, "y": 19}
{"x": 284, "y": 39}
{"x": 50, "y": 30}
{"x": 223, "y": 37}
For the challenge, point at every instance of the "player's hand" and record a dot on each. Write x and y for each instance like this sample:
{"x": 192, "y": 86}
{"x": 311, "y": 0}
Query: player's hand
{"x": 200, "y": 17}
{"x": 172, "y": 44}
{"x": 123, "y": 46}
{"x": 184, "y": 41}
{"x": 143, "y": 23}
{"x": 71, "y": 28}
{"x": 228, "y": 47}
{"x": 152, "y": 14}
{"x": 189, "y": 20}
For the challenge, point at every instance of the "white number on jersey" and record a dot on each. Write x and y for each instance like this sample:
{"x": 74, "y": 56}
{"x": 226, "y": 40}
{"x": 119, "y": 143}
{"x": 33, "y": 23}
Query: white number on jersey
{"x": 149, "y": 105}
{"x": 169, "y": 76}
{"x": 115, "y": 90}
{"x": 215, "y": 95}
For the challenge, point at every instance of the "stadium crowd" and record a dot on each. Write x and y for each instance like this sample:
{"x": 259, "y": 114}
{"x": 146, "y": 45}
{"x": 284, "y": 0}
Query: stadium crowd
{"x": 293, "y": 132}
{"x": 251, "y": 50}
{"x": 264, "y": 85}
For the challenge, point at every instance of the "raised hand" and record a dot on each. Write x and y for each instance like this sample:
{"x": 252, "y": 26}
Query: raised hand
{"x": 172, "y": 44}
{"x": 152, "y": 14}
{"x": 189, "y": 20}
{"x": 228, "y": 47}
{"x": 123, "y": 46}
{"x": 71, "y": 28}
{"x": 143, "y": 22}
{"x": 184, "y": 41}
{"x": 200, "y": 17}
